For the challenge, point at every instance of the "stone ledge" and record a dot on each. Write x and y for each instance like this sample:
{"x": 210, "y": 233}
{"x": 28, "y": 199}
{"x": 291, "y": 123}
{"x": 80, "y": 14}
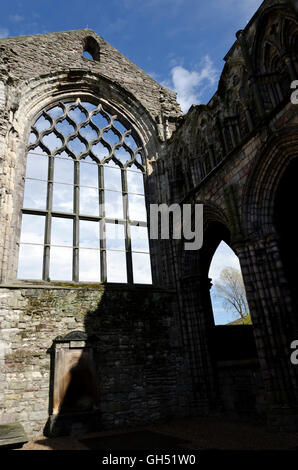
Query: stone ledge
{"x": 12, "y": 436}
{"x": 84, "y": 285}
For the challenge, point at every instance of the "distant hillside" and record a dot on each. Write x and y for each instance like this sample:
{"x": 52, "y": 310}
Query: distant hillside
{"x": 241, "y": 321}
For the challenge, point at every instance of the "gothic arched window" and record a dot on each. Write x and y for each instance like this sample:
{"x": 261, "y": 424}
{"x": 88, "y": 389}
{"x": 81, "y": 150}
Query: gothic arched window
{"x": 84, "y": 214}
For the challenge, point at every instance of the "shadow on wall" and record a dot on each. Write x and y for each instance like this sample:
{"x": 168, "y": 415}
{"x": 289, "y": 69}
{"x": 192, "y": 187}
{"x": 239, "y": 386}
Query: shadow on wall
{"x": 239, "y": 380}
{"x": 118, "y": 361}
{"x": 73, "y": 390}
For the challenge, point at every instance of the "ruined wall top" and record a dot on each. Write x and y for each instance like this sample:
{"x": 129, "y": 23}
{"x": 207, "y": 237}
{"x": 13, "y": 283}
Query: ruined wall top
{"x": 26, "y": 57}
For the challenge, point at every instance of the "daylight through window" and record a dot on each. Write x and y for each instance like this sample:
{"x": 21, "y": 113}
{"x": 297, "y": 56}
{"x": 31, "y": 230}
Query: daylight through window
{"x": 84, "y": 214}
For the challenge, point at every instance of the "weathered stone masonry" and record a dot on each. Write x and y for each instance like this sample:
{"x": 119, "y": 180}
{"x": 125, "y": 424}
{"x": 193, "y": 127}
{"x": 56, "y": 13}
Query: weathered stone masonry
{"x": 134, "y": 350}
{"x": 233, "y": 155}
{"x": 156, "y": 348}
{"x": 140, "y": 360}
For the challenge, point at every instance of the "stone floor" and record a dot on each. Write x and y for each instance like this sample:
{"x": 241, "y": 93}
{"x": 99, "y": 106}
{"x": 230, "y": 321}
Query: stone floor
{"x": 200, "y": 433}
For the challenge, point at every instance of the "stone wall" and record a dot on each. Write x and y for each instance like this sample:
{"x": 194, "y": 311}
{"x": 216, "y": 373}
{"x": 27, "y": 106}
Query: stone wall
{"x": 134, "y": 331}
{"x": 241, "y": 390}
{"x": 229, "y": 155}
{"x": 238, "y": 375}
{"x": 26, "y": 57}
{"x": 138, "y": 356}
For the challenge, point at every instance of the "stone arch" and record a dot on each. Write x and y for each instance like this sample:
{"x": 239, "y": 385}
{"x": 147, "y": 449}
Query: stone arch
{"x": 197, "y": 318}
{"x": 199, "y": 331}
{"x": 260, "y": 189}
{"x": 216, "y": 229}
{"x": 274, "y": 55}
{"x": 276, "y": 37}
{"x": 209, "y": 146}
{"x": 43, "y": 91}
{"x": 237, "y": 115}
{"x": 232, "y": 75}
{"x": 272, "y": 304}
{"x": 91, "y": 46}
{"x": 195, "y": 262}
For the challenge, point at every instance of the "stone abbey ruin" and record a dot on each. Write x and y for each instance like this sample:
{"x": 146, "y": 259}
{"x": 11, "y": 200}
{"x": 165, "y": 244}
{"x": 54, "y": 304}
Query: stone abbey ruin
{"x": 98, "y": 334}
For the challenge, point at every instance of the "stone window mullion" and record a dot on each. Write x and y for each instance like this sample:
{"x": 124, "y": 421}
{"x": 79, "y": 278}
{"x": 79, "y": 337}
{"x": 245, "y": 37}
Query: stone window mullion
{"x": 79, "y": 139}
{"x": 76, "y": 228}
{"x": 102, "y": 228}
{"x": 48, "y": 222}
{"x": 127, "y": 227}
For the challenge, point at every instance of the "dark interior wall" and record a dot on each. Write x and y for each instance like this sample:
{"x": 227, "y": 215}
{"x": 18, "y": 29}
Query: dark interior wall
{"x": 241, "y": 391}
{"x": 233, "y": 342}
{"x": 286, "y": 226}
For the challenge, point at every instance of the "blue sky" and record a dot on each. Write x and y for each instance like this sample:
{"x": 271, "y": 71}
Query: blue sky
{"x": 181, "y": 43}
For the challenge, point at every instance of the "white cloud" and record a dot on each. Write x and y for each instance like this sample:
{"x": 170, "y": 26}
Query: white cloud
{"x": 191, "y": 84}
{"x": 61, "y": 263}
{"x": 4, "y": 32}
{"x": 89, "y": 265}
{"x": 16, "y": 18}
{"x": 141, "y": 268}
{"x": 116, "y": 266}
{"x": 30, "y": 262}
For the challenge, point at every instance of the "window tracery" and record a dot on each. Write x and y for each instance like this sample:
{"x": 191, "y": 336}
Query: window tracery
{"x": 84, "y": 213}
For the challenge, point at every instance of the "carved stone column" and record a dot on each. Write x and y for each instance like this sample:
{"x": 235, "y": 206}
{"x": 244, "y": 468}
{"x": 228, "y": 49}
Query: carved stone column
{"x": 272, "y": 315}
{"x": 197, "y": 319}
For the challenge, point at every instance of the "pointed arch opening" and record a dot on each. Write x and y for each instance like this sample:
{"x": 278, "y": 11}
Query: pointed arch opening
{"x": 84, "y": 212}
{"x": 91, "y": 49}
{"x": 231, "y": 342}
{"x": 228, "y": 297}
